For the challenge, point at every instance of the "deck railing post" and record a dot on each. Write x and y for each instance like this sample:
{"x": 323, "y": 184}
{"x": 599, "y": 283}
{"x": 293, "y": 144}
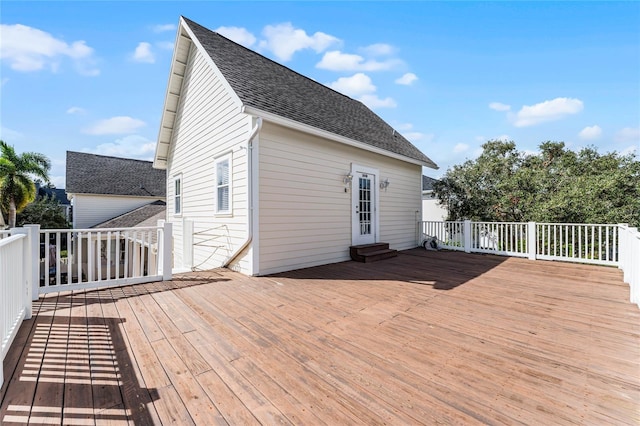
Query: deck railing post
{"x": 467, "y": 236}
{"x": 34, "y": 255}
{"x": 167, "y": 251}
{"x": 532, "y": 239}
{"x": 187, "y": 243}
{"x": 25, "y": 268}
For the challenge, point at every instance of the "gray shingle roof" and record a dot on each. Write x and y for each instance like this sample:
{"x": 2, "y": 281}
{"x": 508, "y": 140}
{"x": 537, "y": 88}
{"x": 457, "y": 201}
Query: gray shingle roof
{"x": 99, "y": 174}
{"x": 268, "y": 86}
{"x": 147, "y": 215}
{"x": 427, "y": 183}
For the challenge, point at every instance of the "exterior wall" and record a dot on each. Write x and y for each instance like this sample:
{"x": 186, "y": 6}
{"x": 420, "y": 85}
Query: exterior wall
{"x": 90, "y": 210}
{"x": 208, "y": 124}
{"x": 304, "y": 211}
{"x": 431, "y": 209}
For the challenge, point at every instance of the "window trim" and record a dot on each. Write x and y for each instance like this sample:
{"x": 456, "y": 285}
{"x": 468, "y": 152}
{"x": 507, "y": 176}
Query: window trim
{"x": 177, "y": 199}
{"x": 220, "y": 159}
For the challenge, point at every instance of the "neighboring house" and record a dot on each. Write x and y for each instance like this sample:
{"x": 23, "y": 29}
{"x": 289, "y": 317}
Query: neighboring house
{"x": 432, "y": 210}
{"x": 273, "y": 170}
{"x": 58, "y": 194}
{"x": 101, "y": 187}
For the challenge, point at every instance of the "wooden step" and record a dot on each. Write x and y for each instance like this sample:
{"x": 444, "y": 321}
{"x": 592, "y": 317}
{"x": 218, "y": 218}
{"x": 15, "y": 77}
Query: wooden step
{"x": 371, "y": 252}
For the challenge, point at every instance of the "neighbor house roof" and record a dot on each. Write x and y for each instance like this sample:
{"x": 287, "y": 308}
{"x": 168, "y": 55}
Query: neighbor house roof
{"x": 427, "y": 183}
{"x": 147, "y": 215}
{"x": 99, "y": 174}
{"x": 263, "y": 85}
{"x": 58, "y": 194}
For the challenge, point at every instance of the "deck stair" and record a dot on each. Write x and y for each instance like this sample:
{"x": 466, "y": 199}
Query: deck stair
{"x": 371, "y": 252}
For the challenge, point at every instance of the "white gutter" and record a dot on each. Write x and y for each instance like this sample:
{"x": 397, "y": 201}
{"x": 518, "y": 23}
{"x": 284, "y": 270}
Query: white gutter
{"x": 331, "y": 136}
{"x": 252, "y": 135}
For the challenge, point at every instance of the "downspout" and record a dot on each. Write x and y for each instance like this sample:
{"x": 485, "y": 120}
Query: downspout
{"x": 252, "y": 135}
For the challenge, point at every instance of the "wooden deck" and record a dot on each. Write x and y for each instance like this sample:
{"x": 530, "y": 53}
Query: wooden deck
{"x": 427, "y": 337}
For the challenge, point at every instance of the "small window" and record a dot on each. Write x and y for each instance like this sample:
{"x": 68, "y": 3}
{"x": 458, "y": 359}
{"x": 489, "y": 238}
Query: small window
{"x": 177, "y": 195}
{"x": 223, "y": 184}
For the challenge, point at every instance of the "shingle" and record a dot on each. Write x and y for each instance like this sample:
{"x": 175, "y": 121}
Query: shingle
{"x": 427, "y": 183}
{"x": 147, "y": 215}
{"x": 268, "y": 86}
{"x": 99, "y": 174}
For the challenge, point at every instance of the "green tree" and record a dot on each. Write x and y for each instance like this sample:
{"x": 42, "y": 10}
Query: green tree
{"x": 554, "y": 185}
{"x": 45, "y": 211}
{"x": 17, "y": 188}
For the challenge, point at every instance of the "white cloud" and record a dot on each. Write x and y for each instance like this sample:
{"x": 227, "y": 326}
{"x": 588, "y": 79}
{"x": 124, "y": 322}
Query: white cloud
{"x": 143, "y": 53}
{"x": 238, "y": 34}
{"x": 338, "y": 61}
{"x": 404, "y": 126}
{"x": 76, "y": 110}
{"x": 503, "y": 138}
{"x": 418, "y": 136}
{"x": 460, "y": 147}
{"x": 357, "y": 84}
{"x": 132, "y": 146}
{"x": 284, "y": 40}
{"x": 378, "y": 49}
{"x": 9, "y": 135}
{"x": 590, "y": 132}
{"x": 552, "y": 110}
{"x": 58, "y": 181}
{"x": 499, "y": 106}
{"x": 628, "y": 134}
{"x": 373, "y": 101}
{"x": 407, "y": 79}
{"x": 115, "y": 126}
{"x": 166, "y": 45}
{"x": 160, "y": 28}
{"x": 29, "y": 49}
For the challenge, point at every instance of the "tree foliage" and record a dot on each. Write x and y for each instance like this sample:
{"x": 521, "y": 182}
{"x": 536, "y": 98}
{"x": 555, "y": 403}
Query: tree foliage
{"x": 17, "y": 188}
{"x": 45, "y": 211}
{"x": 553, "y": 185}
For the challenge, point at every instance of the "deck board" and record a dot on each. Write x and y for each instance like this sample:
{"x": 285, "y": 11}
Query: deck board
{"x": 426, "y": 337}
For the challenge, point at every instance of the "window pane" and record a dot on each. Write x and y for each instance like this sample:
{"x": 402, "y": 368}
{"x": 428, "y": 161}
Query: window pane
{"x": 222, "y": 172}
{"x": 223, "y": 198}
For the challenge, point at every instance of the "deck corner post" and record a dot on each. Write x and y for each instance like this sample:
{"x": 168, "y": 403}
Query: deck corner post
{"x": 167, "y": 251}
{"x": 467, "y": 236}
{"x": 532, "y": 238}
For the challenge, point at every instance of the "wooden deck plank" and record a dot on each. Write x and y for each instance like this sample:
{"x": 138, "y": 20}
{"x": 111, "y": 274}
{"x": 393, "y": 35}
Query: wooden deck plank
{"x": 426, "y": 337}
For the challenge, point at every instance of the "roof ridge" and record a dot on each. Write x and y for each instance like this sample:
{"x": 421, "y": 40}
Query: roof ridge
{"x": 274, "y": 62}
{"x": 110, "y": 156}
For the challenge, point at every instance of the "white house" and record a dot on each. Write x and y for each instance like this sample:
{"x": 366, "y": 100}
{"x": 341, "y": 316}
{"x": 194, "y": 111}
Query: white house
{"x": 102, "y": 187}
{"x": 268, "y": 170}
{"x": 432, "y": 210}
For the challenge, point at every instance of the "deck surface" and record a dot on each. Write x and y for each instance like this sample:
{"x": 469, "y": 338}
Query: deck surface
{"x": 423, "y": 338}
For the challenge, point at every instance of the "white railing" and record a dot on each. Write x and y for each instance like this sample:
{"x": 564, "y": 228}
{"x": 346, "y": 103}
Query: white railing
{"x": 569, "y": 242}
{"x": 72, "y": 259}
{"x": 584, "y": 243}
{"x": 15, "y": 288}
{"x": 630, "y": 260}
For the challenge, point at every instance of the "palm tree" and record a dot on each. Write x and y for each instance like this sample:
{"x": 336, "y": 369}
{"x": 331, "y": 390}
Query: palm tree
{"x": 17, "y": 188}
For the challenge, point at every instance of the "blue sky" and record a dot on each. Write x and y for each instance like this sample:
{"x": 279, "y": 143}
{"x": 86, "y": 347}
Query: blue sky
{"x": 91, "y": 76}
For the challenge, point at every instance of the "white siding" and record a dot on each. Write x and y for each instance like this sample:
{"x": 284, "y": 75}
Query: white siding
{"x": 305, "y": 213}
{"x": 90, "y": 210}
{"x": 208, "y": 124}
{"x": 431, "y": 209}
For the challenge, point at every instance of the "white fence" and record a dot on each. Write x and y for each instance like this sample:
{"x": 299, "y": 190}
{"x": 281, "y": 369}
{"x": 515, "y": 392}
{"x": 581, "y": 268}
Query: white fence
{"x": 34, "y": 262}
{"x": 15, "y": 288}
{"x": 600, "y": 244}
{"x": 72, "y": 259}
{"x": 630, "y": 260}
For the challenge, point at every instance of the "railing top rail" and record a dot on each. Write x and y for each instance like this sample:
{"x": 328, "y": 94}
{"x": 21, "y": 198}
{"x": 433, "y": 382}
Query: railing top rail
{"x": 577, "y": 224}
{"x": 137, "y": 228}
{"x": 499, "y": 223}
{"x": 11, "y": 239}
